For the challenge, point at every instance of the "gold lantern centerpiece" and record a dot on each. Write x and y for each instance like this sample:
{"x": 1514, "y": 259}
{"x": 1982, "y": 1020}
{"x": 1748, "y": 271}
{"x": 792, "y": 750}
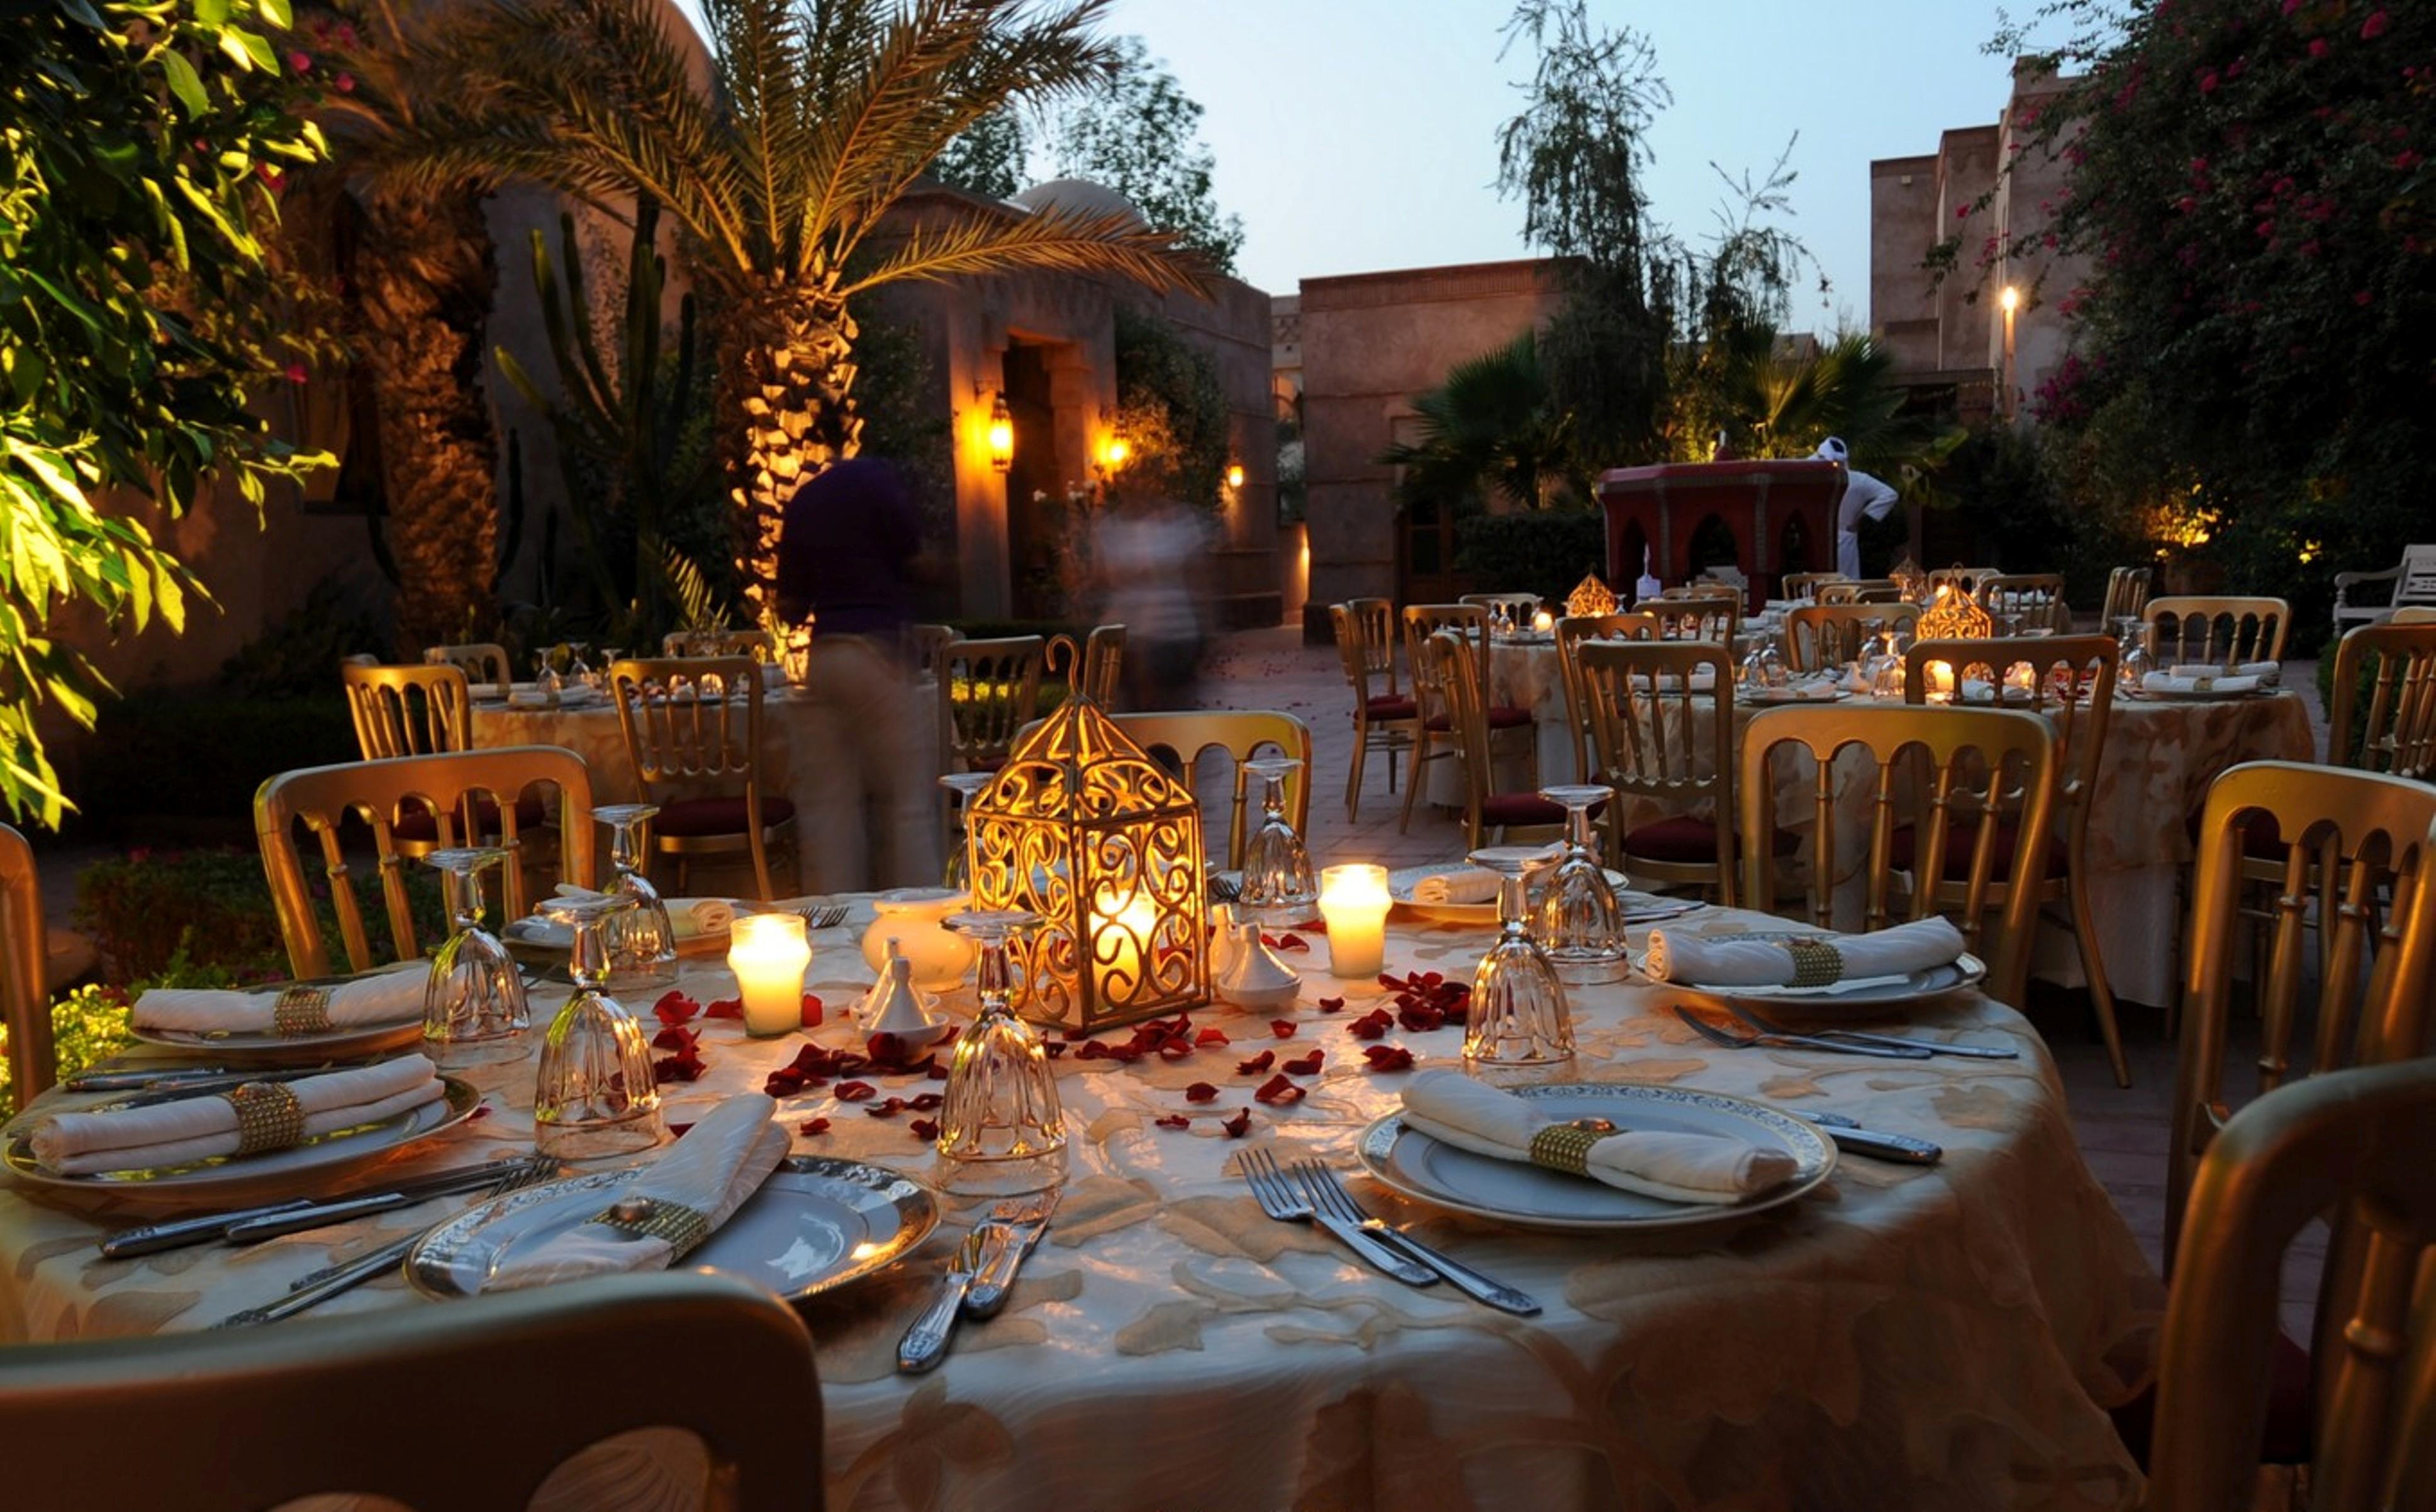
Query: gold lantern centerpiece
{"x": 1083, "y": 828}
{"x": 1909, "y": 580}
{"x": 1954, "y": 615}
{"x": 1590, "y": 597}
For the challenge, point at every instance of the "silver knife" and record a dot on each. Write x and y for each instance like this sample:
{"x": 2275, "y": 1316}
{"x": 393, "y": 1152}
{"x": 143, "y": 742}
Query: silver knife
{"x": 1375, "y": 1251}
{"x": 1878, "y": 1142}
{"x": 179, "y": 1078}
{"x": 152, "y": 1239}
{"x": 404, "y": 1194}
{"x": 926, "y": 1342}
{"x": 1481, "y": 1288}
{"x": 987, "y": 1295}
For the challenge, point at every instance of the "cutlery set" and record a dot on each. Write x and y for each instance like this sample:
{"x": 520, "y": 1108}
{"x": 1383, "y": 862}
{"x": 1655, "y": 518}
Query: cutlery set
{"x": 1313, "y": 1196}
{"x": 247, "y": 1226}
{"x": 978, "y": 1276}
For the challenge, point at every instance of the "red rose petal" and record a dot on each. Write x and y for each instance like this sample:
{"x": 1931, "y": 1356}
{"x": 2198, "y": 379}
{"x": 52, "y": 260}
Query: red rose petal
{"x": 887, "y": 1109}
{"x": 1055, "y": 1048}
{"x": 676, "y": 1069}
{"x": 724, "y": 1008}
{"x": 1277, "y": 1090}
{"x": 812, "y": 1126}
{"x": 783, "y": 1082}
{"x": 1210, "y": 1036}
{"x": 675, "y": 1037}
{"x": 1173, "y": 1120}
{"x": 674, "y": 1007}
{"x": 1238, "y": 1125}
{"x": 855, "y": 1091}
{"x": 1294, "y": 942}
{"x": 1201, "y": 1092}
{"x": 1175, "y": 1050}
{"x": 1305, "y": 1064}
{"x": 812, "y": 1011}
{"x": 1371, "y": 1025}
{"x": 925, "y": 1102}
{"x": 1331, "y": 1005}
{"x": 1257, "y": 1064}
{"x": 1388, "y": 1057}
{"x": 1283, "y": 1028}
{"x": 924, "y": 1130}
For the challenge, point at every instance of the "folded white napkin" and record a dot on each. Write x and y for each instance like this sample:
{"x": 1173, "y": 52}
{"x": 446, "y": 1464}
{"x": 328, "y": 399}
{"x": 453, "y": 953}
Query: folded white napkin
{"x": 2207, "y": 683}
{"x": 1682, "y": 957}
{"x": 2264, "y": 672}
{"x": 201, "y": 1127}
{"x": 486, "y": 690}
{"x": 722, "y": 1160}
{"x": 692, "y": 917}
{"x": 1694, "y": 1167}
{"x": 572, "y": 696}
{"x": 383, "y": 998}
{"x": 1469, "y": 884}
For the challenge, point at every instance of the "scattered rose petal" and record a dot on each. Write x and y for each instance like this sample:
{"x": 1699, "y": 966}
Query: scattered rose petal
{"x": 1305, "y": 1064}
{"x": 1372, "y": 1025}
{"x": 1283, "y": 1028}
{"x": 1257, "y": 1064}
{"x": 887, "y": 1108}
{"x": 1238, "y": 1125}
{"x": 924, "y": 1102}
{"x": 1056, "y": 1048}
{"x": 924, "y": 1130}
{"x": 674, "y": 1007}
{"x": 812, "y": 1126}
{"x": 1388, "y": 1057}
{"x": 1173, "y": 1120}
{"x": 1201, "y": 1092}
{"x": 1293, "y": 942}
{"x": 1210, "y": 1036}
{"x": 1332, "y": 1005}
{"x": 479, "y": 1113}
{"x": 855, "y": 1091}
{"x": 686, "y": 1067}
{"x": 1278, "y": 1090}
{"x": 812, "y": 1011}
{"x": 724, "y": 1008}
{"x": 675, "y": 1037}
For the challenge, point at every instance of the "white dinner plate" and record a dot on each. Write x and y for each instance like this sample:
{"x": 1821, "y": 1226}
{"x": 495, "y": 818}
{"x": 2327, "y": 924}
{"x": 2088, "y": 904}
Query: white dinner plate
{"x": 817, "y": 1223}
{"x": 1512, "y": 1191}
{"x": 259, "y": 1048}
{"x": 2197, "y": 695}
{"x": 297, "y": 1170}
{"x": 1788, "y": 698}
{"x": 1639, "y": 907}
{"x": 1966, "y": 970}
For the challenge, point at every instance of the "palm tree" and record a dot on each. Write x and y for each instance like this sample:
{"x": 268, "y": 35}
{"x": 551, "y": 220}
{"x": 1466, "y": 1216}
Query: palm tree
{"x": 1494, "y": 425}
{"x": 821, "y": 116}
{"x": 1845, "y": 389}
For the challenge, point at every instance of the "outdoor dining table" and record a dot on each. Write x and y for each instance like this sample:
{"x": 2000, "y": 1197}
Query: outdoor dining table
{"x": 1943, "y": 1336}
{"x": 2160, "y": 757}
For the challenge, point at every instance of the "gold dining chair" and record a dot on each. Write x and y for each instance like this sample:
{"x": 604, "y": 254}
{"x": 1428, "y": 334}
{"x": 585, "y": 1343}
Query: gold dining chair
{"x": 2356, "y": 854}
{"x": 1572, "y": 629}
{"x": 2126, "y": 594}
{"x": 1861, "y": 590}
{"x": 2075, "y": 676}
{"x": 1699, "y": 613}
{"x": 481, "y": 661}
{"x": 1805, "y": 585}
{"x": 2355, "y": 1143}
{"x": 1965, "y": 580}
{"x": 1185, "y": 736}
{"x": 1964, "y": 774}
{"x": 320, "y": 800}
{"x": 1821, "y": 636}
{"x": 1446, "y": 659}
{"x": 2385, "y": 701}
{"x": 695, "y": 645}
{"x": 1366, "y": 644}
{"x": 2036, "y": 597}
{"x": 2217, "y": 629}
{"x": 1657, "y": 735}
{"x": 694, "y": 722}
{"x": 109, "y": 1424}
{"x": 409, "y": 710}
{"x": 24, "y": 985}
{"x": 1094, "y": 670}
{"x": 992, "y": 688}
{"x": 1438, "y": 737}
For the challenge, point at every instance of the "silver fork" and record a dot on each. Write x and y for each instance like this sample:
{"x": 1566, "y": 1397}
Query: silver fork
{"x": 1752, "y": 1041}
{"x": 1320, "y": 1185}
{"x": 1935, "y": 1046}
{"x": 822, "y": 915}
{"x": 1013, "y": 1227}
{"x": 317, "y": 1287}
{"x": 1278, "y": 1199}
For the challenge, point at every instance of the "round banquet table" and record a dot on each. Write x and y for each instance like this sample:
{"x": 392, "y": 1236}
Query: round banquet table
{"x": 2160, "y": 757}
{"x": 1943, "y": 1337}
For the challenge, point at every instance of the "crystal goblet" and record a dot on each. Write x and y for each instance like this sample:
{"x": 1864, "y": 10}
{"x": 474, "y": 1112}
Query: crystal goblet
{"x": 1520, "y": 1029}
{"x": 1000, "y": 1127}
{"x": 593, "y": 1096}
{"x": 1581, "y": 923}
{"x": 474, "y": 1005}
{"x": 642, "y": 943}
{"x": 1279, "y": 888}
{"x": 966, "y": 785}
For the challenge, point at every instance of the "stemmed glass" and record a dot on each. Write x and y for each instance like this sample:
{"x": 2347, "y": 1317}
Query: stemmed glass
{"x": 474, "y": 1006}
{"x": 545, "y": 678}
{"x": 1887, "y": 670}
{"x": 2137, "y": 662}
{"x": 593, "y": 1096}
{"x": 641, "y": 941}
{"x": 1278, "y": 887}
{"x": 1000, "y": 1129}
{"x": 1763, "y": 668}
{"x": 1581, "y": 923}
{"x": 966, "y": 785}
{"x": 1519, "y": 1029}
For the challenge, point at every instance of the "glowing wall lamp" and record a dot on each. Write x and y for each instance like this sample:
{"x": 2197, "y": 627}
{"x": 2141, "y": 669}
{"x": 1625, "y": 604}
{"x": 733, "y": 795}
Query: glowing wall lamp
{"x": 1001, "y": 435}
{"x": 1234, "y": 475}
{"x": 1115, "y": 452}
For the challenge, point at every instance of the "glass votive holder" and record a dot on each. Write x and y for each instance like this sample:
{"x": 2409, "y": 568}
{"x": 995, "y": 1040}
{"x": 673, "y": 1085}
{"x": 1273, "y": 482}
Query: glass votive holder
{"x": 769, "y": 954}
{"x": 1353, "y": 903}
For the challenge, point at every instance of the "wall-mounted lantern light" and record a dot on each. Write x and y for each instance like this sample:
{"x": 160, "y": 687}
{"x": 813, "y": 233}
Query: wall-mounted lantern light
{"x": 1234, "y": 475}
{"x": 1001, "y": 435}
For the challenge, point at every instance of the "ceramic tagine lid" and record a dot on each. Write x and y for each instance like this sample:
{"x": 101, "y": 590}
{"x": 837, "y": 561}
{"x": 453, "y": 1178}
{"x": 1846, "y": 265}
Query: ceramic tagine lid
{"x": 1254, "y": 975}
{"x": 894, "y": 1008}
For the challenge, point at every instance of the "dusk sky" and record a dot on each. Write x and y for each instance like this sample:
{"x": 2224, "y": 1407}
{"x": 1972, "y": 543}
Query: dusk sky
{"x": 1353, "y": 135}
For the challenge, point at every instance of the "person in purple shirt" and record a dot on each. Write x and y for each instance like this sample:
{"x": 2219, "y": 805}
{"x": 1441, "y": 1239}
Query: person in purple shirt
{"x": 849, "y": 560}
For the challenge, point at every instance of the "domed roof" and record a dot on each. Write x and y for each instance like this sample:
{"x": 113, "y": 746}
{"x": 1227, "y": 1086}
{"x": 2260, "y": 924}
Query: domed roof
{"x": 1079, "y": 197}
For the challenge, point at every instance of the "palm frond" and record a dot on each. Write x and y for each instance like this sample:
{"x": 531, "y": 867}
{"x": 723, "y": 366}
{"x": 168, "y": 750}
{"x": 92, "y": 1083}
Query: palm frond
{"x": 762, "y": 52}
{"x": 1055, "y": 239}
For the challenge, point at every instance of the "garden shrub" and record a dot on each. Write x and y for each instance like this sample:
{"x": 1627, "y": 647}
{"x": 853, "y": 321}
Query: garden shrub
{"x": 221, "y": 748}
{"x": 1543, "y": 552}
{"x": 210, "y": 910}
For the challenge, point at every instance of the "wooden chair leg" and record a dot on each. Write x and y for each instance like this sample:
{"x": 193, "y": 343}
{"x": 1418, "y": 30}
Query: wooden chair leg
{"x": 756, "y": 841}
{"x": 2102, "y": 992}
{"x": 1413, "y": 780}
{"x": 1353, "y": 780}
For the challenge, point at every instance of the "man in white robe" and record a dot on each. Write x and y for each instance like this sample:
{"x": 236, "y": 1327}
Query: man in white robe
{"x": 1862, "y": 496}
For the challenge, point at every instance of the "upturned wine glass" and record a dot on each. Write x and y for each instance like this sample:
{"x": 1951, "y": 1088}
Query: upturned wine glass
{"x": 1000, "y": 1129}
{"x": 474, "y": 1005}
{"x": 1581, "y": 923}
{"x": 1278, "y": 888}
{"x": 1519, "y": 1029}
{"x": 593, "y": 1096}
{"x": 1762, "y": 668}
{"x": 641, "y": 941}
{"x": 2139, "y": 661}
{"x": 966, "y": 785}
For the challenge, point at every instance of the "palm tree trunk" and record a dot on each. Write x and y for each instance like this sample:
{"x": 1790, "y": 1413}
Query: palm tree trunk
{"x": 425, "y": 273}
{"x": 787, "y": 389}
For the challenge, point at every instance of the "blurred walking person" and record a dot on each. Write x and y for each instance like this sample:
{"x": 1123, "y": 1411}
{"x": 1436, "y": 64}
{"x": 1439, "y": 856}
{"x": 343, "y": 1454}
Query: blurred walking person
{"x": 1145, "y": 552}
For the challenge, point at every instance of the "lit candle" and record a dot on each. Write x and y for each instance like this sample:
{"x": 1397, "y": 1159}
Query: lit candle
{"x": 769, "y": 954}
{"x": 1941, "y": 683}
{"x": 1544, "y": 621}
{"x": 1353, "y": 903}
{"x": 1121, "y": 944}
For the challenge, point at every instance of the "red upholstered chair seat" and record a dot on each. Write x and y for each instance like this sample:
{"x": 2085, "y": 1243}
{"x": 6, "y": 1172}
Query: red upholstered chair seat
{"x": 1522, "y": 810}
{"x": 1688, "y": 840}
{"x": 1960, "y": 836}
{"x": 1392, "y": 706}
{"x": 717, "y": 816}
{"x": 422, "y": 824}
{"x": 1501, "y": 717}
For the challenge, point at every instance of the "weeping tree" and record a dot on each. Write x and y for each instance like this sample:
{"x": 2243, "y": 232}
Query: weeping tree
{"x": 820, "y": 116}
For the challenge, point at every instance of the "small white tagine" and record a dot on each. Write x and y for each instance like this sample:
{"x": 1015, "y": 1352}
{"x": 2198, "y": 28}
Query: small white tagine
{"x": 894, "y": 1008}
{"x": 1253, "y": 976}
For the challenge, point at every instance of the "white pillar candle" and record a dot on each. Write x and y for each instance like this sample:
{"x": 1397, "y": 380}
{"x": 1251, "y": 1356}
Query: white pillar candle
{"x": 1544, "y": 621}
{"x": 1353, "y": 903}
{"x": 769, "y": 954}
{"x": 1941, "y": 683}
{"x": 1121, "y": 944}
{"x": 2021, "y": 678}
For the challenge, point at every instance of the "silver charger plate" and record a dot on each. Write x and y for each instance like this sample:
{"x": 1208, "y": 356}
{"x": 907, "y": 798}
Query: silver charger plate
{"x": 817, "y": 1223}
{"x": 297, "y": 1170}
{"x": 1766, "y": 698}
{"x": 1511, "y": 1192}
{"x": 2199, "y": 695}
{"x": 256, "y": 1047}
{"x": 1639, "y": 907}
{"x": 1965, "y": 971}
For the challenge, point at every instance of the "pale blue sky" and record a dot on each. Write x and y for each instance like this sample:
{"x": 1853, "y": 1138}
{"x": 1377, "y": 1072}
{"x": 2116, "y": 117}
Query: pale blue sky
{"x": 1353, "y": 135}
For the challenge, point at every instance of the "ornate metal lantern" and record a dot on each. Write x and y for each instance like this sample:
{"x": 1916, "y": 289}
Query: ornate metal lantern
{"x": 1909, "y": 580}
{"x": 1954, "y": 615}
{"x": 1084, "y": 829}
{"x": 1590, "y": 597}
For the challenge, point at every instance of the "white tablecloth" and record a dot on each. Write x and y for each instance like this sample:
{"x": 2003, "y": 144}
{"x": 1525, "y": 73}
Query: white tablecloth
{"x": 1904, "y": 1337}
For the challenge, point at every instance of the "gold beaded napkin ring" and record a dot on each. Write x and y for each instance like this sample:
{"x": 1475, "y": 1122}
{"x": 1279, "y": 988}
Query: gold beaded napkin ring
{"x": 1816, "y": 963}
{"x": 655, "y": 1218}
{"x": 302, "y": 1011}
{"x": 268, "y": 1117}
{"x": 1566, "y": 1147}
